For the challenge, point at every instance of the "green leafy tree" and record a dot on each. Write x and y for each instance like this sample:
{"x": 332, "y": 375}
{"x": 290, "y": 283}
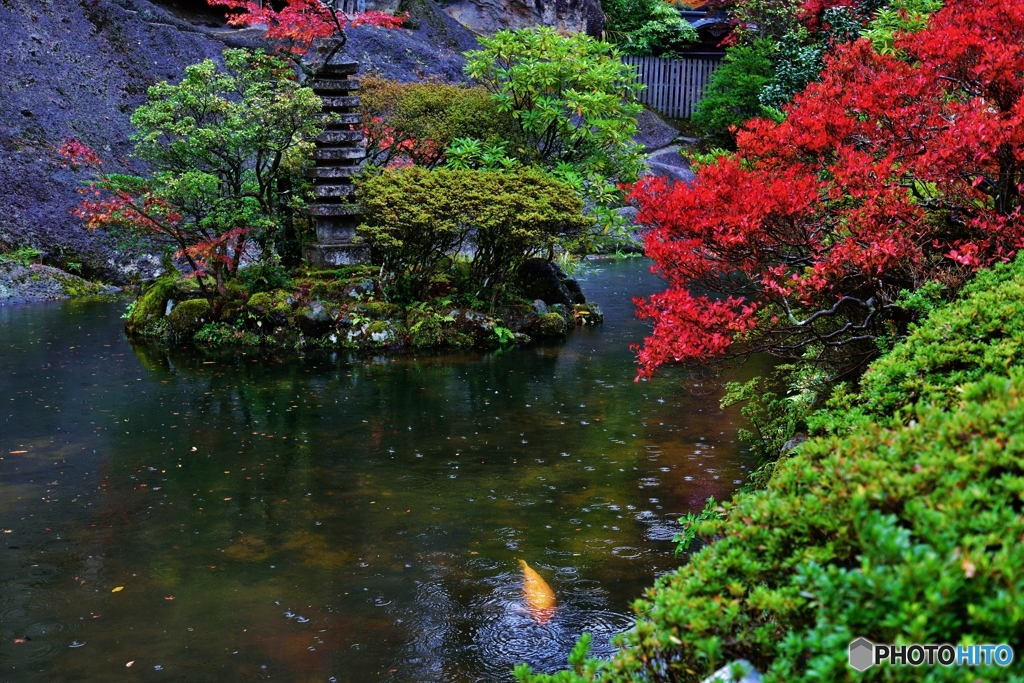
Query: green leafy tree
{"x": 574, "y": 104}
{"x": 571, "y": 96}
{"x": 910, "y": 16}
{"x": 659, "y": 30}
{"x": 733, "y": 95}
{"x": 226, "y": 146}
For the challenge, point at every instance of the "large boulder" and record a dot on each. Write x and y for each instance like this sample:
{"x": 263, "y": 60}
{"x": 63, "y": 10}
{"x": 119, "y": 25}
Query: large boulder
{"x": 542, "y": 279}
{"x": 188, "y": 317}
{"x": 670, "y": 164}
{"x": 78, "y": 69}
{"x": 314, "y": 320}
{"x": 652, "y": 131}
{"x": 489, "y": 16}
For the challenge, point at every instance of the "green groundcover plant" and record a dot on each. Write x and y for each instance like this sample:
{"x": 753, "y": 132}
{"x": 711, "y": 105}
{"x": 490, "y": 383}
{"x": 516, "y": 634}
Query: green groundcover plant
{"x": 900, "y": 522}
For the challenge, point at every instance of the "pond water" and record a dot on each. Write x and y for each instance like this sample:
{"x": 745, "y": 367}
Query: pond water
{"x": 222, "y": 517}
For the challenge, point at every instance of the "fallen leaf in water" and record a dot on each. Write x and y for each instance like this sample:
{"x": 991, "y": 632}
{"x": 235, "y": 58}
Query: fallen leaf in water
{"x": 130, "y": 663}
{"x": 539, "y": 597}
{"x": 118, "y": 589}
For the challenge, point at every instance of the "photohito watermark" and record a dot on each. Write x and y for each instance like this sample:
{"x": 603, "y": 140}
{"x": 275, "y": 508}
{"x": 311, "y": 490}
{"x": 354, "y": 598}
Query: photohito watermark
{"x": 864, "y": 654}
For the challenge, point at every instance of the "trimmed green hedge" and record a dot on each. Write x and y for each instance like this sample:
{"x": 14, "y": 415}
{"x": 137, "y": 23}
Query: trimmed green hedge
{"x": 981, "y": 333}
{"x": 901, "y": 522}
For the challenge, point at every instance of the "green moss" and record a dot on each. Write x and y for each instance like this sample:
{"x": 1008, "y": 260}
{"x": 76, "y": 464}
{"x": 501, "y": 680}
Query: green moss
{"x": 75, "y": 286}
{"x": 431, "y": 329}
{"x": 336, "y": 290}
{"x": 379, "y": 309}
{"x": 549, "y": 325}
{"x": 230, "y": 311}
{"x": 221, "y": 334}
{"x": 261, "y": 300}
{"x": 151, "y": 305}
{"x": 188, "y": 317}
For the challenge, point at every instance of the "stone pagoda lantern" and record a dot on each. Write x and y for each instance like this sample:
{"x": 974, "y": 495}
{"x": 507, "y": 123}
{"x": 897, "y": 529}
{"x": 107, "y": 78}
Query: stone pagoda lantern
{"x": 339, "y": 158}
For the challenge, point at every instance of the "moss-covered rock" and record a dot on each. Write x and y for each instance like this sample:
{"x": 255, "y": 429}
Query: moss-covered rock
{"x": 429, "y": 328}
{"x": 588, "y": 314}
{"x": 379, "y": 310}
{"x": 261, "y": 300}
{"x": 549, "y": 325}
{"x": 376, "y": 334}
{"x": 315, "y": 320}
{"x": 565, "y": 312}
{"x": 188, "y": 317}
{"x": 151, "y": 306}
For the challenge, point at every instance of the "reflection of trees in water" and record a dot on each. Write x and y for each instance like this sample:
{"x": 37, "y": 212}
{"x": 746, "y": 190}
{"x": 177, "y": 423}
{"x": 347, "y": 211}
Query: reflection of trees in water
{"x": 419, "y": 478}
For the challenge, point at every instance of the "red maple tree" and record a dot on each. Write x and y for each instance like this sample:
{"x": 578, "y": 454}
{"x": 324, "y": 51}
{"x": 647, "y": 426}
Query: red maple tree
{"x": 113, "y": 200}
{"x": 299, "y": 27}
{"x": 887, "y": 174}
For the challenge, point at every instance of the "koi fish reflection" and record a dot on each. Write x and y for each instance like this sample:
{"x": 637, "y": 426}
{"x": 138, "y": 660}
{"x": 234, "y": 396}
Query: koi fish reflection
{"x": 537, "y": 594}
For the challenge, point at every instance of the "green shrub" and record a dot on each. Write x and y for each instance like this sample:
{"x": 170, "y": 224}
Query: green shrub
{"x": 983, "y": 332}
{"x": 733, "y": 94}
{"x": 799, "y": 61}
{"x": 571, "y": 97}
{"x": 896, "y": 16}
{"x": 664, "y": 33}
{"x": 646, "y": 27}
{"x": 263, "y": 277}
{"x": 905, "y": 529}
{"x": 24, "y": 256}
{"x": 419, "y": 121}
{"x": 549, "y": 325}
{"x": 419, "y": 220}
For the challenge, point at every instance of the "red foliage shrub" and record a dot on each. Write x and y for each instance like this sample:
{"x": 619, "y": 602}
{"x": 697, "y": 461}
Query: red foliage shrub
{"x": 885, "y": 175}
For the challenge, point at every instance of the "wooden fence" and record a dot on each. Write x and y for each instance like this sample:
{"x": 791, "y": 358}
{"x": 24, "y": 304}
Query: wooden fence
{"x": 674, "y": 86}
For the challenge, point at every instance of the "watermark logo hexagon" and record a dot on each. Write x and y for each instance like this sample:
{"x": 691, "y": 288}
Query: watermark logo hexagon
{"x": 862, "y": 654}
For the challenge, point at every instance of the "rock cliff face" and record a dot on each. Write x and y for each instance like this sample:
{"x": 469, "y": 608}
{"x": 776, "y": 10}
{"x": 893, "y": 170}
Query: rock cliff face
{"x": 488, "y": 16}
{"x": 78, "y": 68}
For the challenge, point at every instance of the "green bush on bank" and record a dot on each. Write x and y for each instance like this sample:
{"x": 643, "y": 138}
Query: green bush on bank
{"x": 901, "y": 523}
{"x": 982, "y": 333}
{"x": 734, "y": 92}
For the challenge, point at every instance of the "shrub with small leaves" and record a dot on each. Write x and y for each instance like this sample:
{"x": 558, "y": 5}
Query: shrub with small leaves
{"x": 419, "y": 221}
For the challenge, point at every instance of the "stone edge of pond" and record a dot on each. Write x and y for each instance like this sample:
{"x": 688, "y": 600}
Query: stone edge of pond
{"x": 339, "y": 316}
{"x": 37, "y": 283}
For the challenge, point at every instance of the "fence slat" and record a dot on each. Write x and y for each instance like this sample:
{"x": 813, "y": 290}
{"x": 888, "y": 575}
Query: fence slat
{"x": 674, "y": 86}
